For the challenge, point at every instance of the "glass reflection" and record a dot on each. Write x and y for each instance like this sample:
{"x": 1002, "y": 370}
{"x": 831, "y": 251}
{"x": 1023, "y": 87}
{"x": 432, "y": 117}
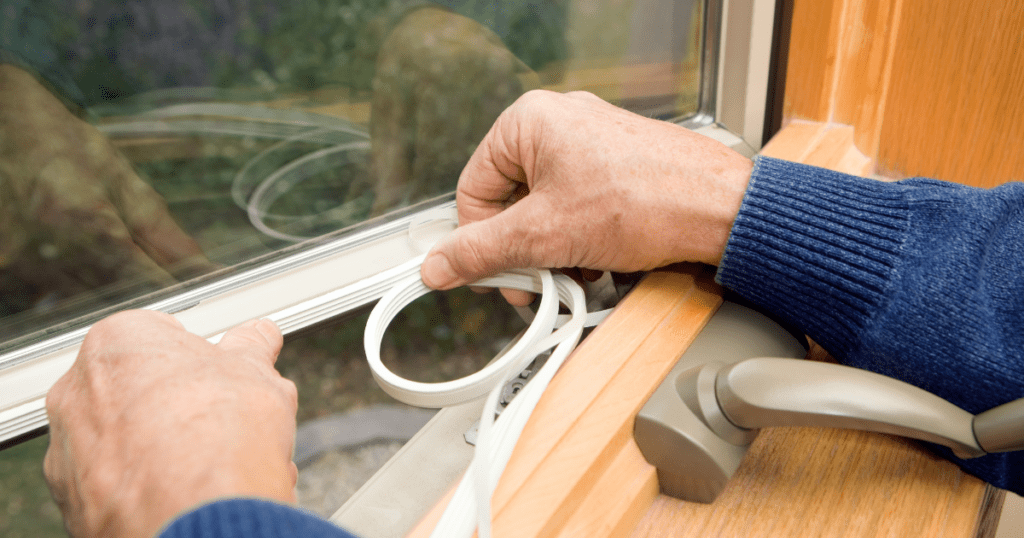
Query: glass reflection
{"x": 145, "y": 143}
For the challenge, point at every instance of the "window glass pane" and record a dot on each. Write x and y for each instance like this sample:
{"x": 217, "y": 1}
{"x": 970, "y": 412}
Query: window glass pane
{"x": 150, "y": 146}
{"x": 147, "y": 143}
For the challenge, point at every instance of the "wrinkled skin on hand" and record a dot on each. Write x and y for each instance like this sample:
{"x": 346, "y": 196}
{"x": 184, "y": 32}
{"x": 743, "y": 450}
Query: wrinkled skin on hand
{"x": 151, "y": 421}
{"x": 73, "y": 214}
{"x": 569, "y": 180}
{"x": 441, "y": 80}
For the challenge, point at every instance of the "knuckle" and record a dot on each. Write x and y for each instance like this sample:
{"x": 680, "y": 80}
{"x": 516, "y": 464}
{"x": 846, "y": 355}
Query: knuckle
{"x": 291, "y": 394}
{"x": 582, "y": 95}
{"x": 52, "y": 470}
{"x": 534, "y": 98}
{"x": 49, "y": 473}
{"x": 127, "y": 319}
{"x": 250, "y": 340}
{"x": 55, "y": 398}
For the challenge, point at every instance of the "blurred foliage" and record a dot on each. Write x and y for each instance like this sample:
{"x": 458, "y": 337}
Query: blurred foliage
{"x": 294, "y": 46}
{"x": 315, "y": 43}
{"x": 311, "y": 44}
{"x": 26, "y": 510}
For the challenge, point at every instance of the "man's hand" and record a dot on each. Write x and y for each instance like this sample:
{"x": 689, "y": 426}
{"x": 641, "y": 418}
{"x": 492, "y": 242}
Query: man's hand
{"x": 572, "y": 181}
{"x": 152, "y": 420}
{"x": 73, "y": 214}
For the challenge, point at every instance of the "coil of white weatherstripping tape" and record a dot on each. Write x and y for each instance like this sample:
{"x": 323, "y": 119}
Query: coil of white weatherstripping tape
{"x": 471, "y": 503}
{"x": 495, "y": 447}
{"x": 477, "y": 384}
{"x": 470, "y": 506}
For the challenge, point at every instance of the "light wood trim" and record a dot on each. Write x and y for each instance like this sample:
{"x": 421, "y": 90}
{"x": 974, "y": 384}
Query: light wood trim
{"x": 621, "y": 368}
{"x": 580, "y": 437}
{"x": 635, "y": 483}
{"x": 799, "y": 482}
{"x": 819, "y": 144}
{"x": 930, "y": 88}
{"x": 956, "y": 108}
{"x": 864, "y": 67}
{"x": 834, "y": 148}
{"x": 816, "y": 482}
{"x": 796, "y": 141}
{"x": 810, "y": 71}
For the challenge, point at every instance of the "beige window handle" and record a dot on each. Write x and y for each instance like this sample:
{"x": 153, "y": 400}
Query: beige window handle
{"x": 697, "y": 425}
{"x": 1001, "y": 429}
{"x": 763, "y": 392}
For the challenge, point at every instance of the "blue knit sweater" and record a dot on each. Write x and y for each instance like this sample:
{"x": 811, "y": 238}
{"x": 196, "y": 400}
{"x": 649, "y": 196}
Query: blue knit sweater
{"x": 919, "y": 280}
{"x": 250, "y": 518}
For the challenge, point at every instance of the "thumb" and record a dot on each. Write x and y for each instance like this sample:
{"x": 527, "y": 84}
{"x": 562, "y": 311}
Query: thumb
{"x": 257, "y": 339}
{"x": 486, "y": 247}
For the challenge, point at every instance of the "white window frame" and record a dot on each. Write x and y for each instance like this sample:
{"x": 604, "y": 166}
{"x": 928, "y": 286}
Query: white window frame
{"x": 329, "y": 279}
{"x": 296, "y": 292}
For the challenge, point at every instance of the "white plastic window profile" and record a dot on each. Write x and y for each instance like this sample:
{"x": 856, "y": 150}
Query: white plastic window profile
{"x": 295, "y": 292}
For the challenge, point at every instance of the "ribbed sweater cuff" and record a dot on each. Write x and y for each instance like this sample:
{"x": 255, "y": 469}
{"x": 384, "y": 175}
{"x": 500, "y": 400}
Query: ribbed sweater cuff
{"x": 250, "y": 518}
{"x": 816, "y": 247}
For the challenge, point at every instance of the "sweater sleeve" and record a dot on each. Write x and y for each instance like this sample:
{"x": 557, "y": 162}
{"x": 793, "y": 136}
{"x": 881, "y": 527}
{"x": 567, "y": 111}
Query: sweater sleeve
{"x": 919, "y": 279}
{"x": 250, "y": 518}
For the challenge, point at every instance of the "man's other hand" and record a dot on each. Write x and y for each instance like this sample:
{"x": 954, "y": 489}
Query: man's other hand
{"x": 152, "y": 420}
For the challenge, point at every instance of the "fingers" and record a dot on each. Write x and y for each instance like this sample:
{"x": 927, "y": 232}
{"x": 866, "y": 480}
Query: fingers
{"x": 494, "y": 176}
{"x": 258, "y": 339}
{"x": 506, "y": 164}
{"x": 518, "y": 297}
{"x": 153, "y": 409}
{"x": 504, "y": 241}
{"x": 499, "y": 219}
